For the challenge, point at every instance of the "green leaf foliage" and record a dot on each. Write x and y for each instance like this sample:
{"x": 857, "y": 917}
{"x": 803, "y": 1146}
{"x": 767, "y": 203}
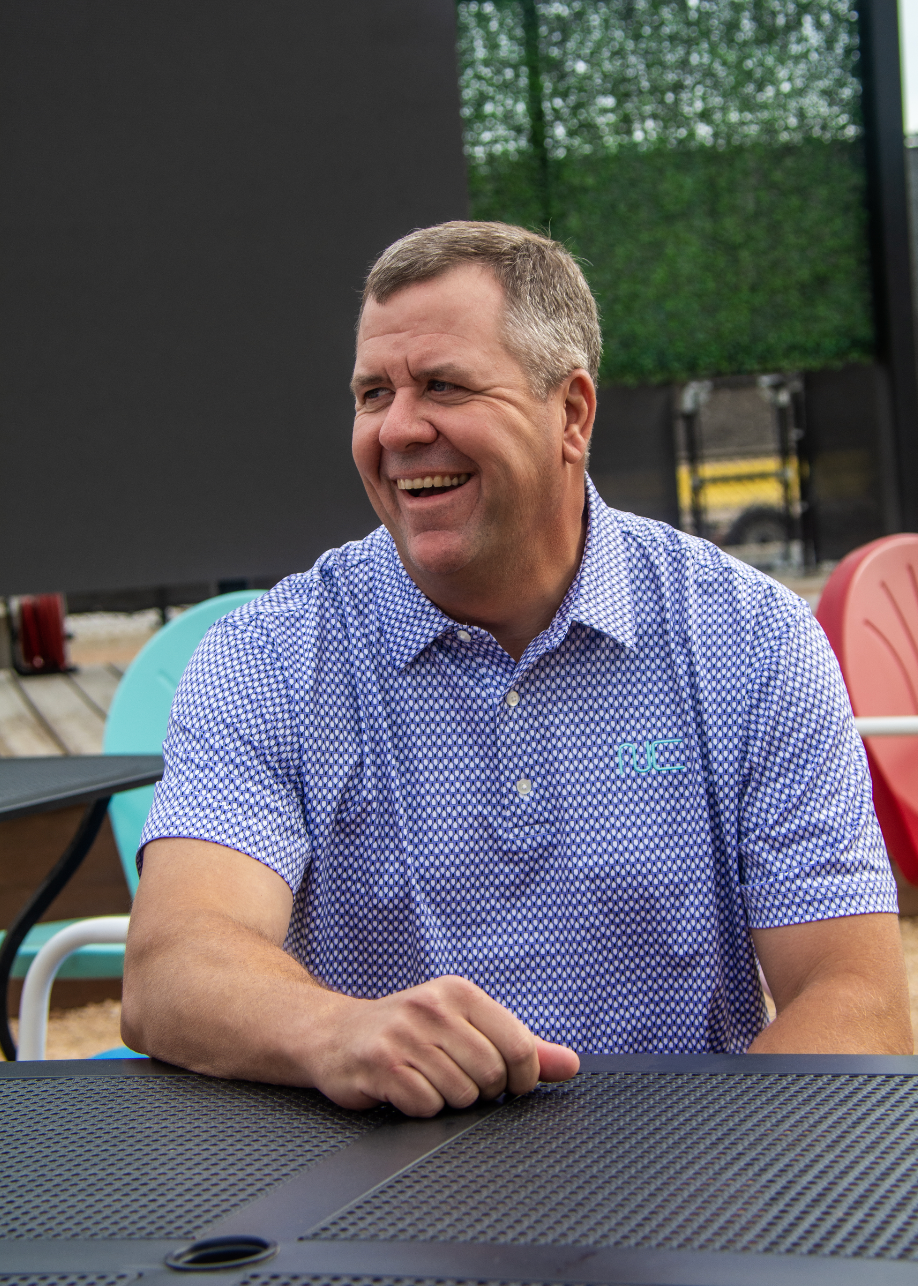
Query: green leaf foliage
{"x": 704, "y": 159}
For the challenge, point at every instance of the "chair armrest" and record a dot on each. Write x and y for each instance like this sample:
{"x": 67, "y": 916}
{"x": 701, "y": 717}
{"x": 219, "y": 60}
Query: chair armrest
{"x": 36, "y": 989}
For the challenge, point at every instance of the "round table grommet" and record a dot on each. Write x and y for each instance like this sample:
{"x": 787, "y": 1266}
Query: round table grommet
{"x": 210, "y": 1254}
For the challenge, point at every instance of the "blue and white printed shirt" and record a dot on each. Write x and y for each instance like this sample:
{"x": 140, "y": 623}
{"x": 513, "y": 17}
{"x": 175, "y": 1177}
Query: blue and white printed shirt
{"x": 587, "y": 834}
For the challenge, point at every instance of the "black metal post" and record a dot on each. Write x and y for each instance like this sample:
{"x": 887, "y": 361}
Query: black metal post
{"x": 889, "y": 232}
{"x": 38, "y": 903}
{"x": 536, "y": 107}
{"x": 689, "y": 406}
{"x": 802, "y": 445}
{"x": 782, "y": 407}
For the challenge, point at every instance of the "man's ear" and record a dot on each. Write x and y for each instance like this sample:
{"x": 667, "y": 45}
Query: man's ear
{"x": 579, "y": 412}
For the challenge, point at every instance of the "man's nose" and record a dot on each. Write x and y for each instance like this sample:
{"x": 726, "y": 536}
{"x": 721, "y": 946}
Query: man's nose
{"x": 405, "y": 423}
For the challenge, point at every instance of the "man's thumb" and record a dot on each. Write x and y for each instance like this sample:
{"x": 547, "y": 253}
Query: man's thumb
{"x": 556, "y": 1062}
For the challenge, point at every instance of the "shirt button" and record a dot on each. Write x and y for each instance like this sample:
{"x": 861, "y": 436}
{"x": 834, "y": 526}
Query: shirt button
{"x": 524, "y": 785}
{"x": 512, "y": 698}
{"x": 464, "y": 635}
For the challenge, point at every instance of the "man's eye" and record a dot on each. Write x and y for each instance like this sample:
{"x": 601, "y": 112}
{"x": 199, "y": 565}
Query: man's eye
{"x": 373, "y": 394}
{"x": 441, "y": 386}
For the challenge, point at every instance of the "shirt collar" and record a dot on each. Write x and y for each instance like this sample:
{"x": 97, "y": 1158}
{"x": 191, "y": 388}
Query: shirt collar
{"x": 603, "y": 584}
{"x": 408, "y": 619}
{"x": 599, "y": 597}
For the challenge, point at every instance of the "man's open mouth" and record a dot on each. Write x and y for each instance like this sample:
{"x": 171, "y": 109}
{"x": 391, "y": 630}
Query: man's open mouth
{"x": 432, "y": 484}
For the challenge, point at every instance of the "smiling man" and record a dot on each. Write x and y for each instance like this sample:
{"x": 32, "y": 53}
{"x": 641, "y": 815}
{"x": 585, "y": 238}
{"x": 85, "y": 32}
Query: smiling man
{"x": 517, "y": 775}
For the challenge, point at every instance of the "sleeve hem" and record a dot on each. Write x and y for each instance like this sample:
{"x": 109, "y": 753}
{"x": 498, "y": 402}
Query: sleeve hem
{"x": 772, "y": 906}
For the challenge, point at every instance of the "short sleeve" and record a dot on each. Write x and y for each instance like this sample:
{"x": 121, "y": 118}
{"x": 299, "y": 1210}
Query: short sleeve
{"x": 232, "y": 754}
{"x": 810, "y": 845}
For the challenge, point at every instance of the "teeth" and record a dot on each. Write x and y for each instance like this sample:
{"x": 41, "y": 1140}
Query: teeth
{"x": 432, "y": 480}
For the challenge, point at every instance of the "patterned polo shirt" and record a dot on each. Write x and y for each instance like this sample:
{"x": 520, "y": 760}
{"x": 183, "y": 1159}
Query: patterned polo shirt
{"x": 587, "y": 834}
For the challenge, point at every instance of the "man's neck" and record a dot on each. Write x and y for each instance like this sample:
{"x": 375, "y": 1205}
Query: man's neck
{"x": 517, "y": 599}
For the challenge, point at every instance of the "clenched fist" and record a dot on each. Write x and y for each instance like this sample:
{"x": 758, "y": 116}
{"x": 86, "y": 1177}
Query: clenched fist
{"x": 444, "y": 1042}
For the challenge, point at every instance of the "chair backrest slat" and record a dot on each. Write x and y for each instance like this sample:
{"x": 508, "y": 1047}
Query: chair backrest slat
{"x": 139, "y": 713}
{"x": 869, "y": 611}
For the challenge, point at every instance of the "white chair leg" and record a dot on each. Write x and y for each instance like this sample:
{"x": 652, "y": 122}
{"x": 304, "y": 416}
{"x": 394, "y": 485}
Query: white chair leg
{"x": 36, "y": 989}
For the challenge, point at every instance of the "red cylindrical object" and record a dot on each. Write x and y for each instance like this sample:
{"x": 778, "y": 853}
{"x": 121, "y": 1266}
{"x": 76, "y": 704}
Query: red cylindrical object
{"x": 41, "y": 633}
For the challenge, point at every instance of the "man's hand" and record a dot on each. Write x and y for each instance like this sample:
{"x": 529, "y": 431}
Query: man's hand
{"x": 442, "y": 1043}
{"x": 839, "y": 987}
{"x": 208, "y": 986}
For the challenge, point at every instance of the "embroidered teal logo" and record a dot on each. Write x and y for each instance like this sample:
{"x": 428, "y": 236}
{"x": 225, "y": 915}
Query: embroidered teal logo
{"x": 630, "y": 756}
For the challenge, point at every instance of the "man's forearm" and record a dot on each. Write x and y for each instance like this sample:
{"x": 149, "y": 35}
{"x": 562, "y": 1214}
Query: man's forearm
{"x": 837, "y": 1016}
{"x": 216, "y": 997}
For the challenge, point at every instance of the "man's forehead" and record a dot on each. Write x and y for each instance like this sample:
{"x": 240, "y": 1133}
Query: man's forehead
{"x": 367, "y": 373}
{"x": 420, "y": 358}
{"x": 450, "y": 327}
{"x": 455, "y": 353}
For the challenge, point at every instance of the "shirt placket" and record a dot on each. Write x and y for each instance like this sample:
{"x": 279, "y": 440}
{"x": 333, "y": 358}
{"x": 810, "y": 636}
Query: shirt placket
{"x": 522, "y": 786}
{"x": 524, "y": 789}
{"x": 516, "y": 768}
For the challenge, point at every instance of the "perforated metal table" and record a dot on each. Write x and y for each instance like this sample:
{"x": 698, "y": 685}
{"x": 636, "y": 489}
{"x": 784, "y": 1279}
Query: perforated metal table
{"x": 680, "y": 1171}
{"x": 39, "y": 785}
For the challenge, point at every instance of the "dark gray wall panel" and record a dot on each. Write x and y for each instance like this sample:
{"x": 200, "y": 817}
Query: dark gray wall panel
{"x": 632, "y": 460}
{"x": 849, "y": 443}
{"x": 191, "y": 195}
{"x": 889, "y": 234}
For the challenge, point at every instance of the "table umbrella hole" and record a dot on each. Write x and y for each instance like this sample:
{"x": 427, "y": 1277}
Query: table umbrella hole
{"x": 222, "y": 1252}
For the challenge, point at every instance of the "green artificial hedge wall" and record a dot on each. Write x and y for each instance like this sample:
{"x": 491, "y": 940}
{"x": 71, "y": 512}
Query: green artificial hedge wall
{"x": 704, "y": 159}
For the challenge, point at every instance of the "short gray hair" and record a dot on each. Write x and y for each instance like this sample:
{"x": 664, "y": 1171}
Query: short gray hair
{"x": 551, "y": 324}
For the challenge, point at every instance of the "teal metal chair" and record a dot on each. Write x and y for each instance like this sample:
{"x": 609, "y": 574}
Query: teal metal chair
{"x": 136, "y": 724}
{"x": 139, "y": 713}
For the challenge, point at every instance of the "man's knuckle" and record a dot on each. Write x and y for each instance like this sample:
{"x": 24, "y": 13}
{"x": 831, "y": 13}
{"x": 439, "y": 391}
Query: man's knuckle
{"x": 452, "y": 988}
{"x": 421, "y": 1006}
{"x": 493, "y": 1081}
{"x": 411, "y": 1096}
{"x": 381, "y": 1054}
{"x": 464, "y": 1097}
{"x": 519, "y": 1047}
{"x": 430, "y": 1007}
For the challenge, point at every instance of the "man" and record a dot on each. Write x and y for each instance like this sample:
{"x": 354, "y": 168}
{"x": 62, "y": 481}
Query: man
{"x": 517, "y": 775}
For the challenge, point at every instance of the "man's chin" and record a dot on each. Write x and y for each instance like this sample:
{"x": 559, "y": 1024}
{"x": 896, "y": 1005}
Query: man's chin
{"x": 435, "y": 554}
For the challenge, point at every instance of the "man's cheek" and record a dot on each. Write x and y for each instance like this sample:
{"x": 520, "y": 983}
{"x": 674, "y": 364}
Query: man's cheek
{"x": 366, "y": 451}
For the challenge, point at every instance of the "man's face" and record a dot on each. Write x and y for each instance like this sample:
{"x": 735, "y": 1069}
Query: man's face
{"x": 440, "y": 398}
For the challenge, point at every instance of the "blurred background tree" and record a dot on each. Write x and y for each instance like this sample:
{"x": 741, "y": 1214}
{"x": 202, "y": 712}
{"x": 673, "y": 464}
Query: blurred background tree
{"x": 703, "y": 157}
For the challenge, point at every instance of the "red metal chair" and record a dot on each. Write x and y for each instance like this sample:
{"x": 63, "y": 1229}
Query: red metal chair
{"x": 869, "y": 611}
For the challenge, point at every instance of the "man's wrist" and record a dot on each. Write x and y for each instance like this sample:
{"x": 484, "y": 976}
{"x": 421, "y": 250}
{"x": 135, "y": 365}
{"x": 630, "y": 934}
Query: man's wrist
{"x": 313, "y": 1043}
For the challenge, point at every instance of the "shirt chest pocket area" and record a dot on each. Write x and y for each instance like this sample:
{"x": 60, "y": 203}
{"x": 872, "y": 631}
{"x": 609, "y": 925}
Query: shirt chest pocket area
{"x": 356, "y": 804}
{"x": 363, "y": 851}
{"x": 660, "y": 873}
{"x": 662, "y": 907}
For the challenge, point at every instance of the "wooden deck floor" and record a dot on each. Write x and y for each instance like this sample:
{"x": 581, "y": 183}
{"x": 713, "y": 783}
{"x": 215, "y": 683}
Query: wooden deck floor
{"x": 56, "y": 714}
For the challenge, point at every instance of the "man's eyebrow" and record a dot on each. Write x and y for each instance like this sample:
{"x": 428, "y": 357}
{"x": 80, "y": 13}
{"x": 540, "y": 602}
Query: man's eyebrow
{"x": 366, "y": 381}
{"x": 448, "y": 372}
{"x": 444, "y": 371}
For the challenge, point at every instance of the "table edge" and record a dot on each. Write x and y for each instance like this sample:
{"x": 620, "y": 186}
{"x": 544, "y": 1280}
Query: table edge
{"x": 144, "y": 776}
{"x": 590, "y": 1065}
{"x": 480, "y": 1262}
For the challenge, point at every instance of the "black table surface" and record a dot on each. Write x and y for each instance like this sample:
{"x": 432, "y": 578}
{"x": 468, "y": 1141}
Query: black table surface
{"x": 41, "y": 784}
{"x": 675, "y": 1170}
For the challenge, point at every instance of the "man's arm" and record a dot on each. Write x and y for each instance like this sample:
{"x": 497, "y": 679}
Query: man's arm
{"x": 839, "y": 987}
{"x": 208, "y": 986}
